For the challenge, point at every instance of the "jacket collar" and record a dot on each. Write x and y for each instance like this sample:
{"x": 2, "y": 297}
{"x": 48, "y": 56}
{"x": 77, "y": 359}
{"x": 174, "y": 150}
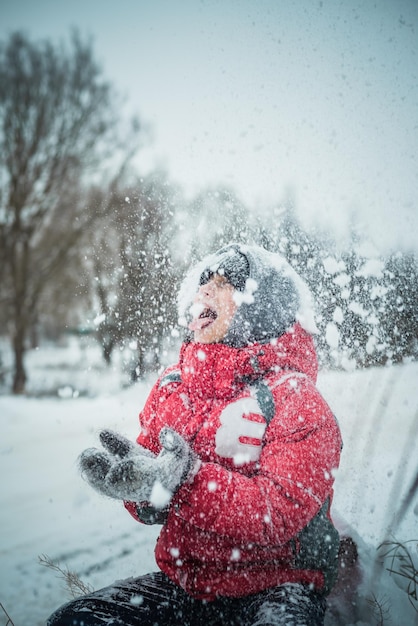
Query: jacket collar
{"x": 220, "y": 370}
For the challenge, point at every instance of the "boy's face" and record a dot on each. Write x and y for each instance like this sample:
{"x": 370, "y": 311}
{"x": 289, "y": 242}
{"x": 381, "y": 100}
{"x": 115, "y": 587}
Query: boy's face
{"x": 213, "y": 309}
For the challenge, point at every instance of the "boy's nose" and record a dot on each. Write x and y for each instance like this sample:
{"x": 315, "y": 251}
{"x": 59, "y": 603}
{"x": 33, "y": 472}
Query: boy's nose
{"x": 206, "y": 290}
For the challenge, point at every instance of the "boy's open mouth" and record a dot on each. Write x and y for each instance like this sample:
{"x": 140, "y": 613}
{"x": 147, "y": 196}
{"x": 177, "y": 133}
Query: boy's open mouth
{"x": 207, "y": 317}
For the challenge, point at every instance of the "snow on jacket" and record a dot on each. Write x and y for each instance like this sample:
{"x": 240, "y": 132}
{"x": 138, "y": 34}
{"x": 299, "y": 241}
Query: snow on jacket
{"x": 256, "y": 514}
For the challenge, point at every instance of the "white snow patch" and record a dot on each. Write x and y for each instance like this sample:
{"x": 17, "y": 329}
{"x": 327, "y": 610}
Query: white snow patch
{"x": 332, "y": 266}
{"x": 137, "y": 600}
{"x": 246, "y": 296}
{"x": 342, "y": 280}
{"x": 332, "y": 335}
{"x": 99, "y": 319}
{"x": 48, "y": 509}
{"x": 358, "y": 309}
{"x": 236, "y": 554}
{"x": 338, "y": 315}
{"x": 160, "y": 496}
{"x": 372, "y": 268}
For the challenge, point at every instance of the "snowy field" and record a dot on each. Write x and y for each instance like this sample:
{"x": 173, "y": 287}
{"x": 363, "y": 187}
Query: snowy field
{"x": 46, "y": 508}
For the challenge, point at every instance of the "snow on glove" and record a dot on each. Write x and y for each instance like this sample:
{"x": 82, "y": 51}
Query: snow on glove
{"x": 127, "y": 471}
{"x": 96, "y": 464}
{"x": 138, "y": 478}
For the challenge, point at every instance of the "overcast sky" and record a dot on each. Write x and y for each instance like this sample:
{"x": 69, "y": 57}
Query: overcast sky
{"x": 313, "y": 99}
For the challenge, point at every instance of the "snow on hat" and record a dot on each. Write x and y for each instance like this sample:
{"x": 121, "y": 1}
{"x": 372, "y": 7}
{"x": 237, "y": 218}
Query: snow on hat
{"x": 230, "y": 263}
{"x": 270, "y": 295}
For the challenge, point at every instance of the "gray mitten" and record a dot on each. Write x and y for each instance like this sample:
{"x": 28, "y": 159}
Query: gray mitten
{"x": 133, "y": 473}
{"x": 140, "y": 478}
{"x": 96, "y": 464}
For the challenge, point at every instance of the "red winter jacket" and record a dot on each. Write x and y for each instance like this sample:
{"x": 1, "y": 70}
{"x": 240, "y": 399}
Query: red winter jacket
{"x": 269, "y": 447}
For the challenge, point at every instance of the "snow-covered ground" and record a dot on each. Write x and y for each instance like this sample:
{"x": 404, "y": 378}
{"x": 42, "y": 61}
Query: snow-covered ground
{"x": 46, "y": 508}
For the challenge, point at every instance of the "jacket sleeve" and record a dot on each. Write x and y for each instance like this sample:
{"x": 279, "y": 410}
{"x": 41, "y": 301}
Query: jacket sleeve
{"x": 144, "y": 512}
{"x": 150, "y": 419}
{"x": 294, "y": 478}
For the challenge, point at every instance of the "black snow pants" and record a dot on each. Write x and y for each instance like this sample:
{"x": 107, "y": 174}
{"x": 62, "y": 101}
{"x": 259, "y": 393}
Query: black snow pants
{"x": 154, "y": 600}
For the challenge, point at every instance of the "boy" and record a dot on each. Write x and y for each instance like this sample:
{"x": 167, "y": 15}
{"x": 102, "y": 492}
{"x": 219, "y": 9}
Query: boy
{"x": 235, "y": 458}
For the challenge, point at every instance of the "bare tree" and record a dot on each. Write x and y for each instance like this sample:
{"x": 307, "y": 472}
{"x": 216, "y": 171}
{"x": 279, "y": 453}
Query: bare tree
{"x": 134, "y": 276}
{"x": 57, "y": 124}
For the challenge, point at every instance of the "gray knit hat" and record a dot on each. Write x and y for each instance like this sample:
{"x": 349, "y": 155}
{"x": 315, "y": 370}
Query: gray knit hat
{"x": 231, "y": 263}
{"x": 268, "y": 291}
{"x": 269, "y": 300}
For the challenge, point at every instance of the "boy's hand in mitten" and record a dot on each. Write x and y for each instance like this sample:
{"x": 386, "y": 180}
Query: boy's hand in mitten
{"x": 129, "y": 472}
{"x": 138, "y": 477}
{"x": 96, "y": 464}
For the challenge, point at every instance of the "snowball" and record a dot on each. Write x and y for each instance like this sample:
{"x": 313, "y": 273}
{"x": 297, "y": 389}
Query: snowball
{"x": 358, "y": 309}
{"x": 372, "y": 268}
{"x": 342, "y": 280}
{"x": 332, "y": 335}
{"x": 332, "y": 266}
{"x": 136, "y": 600}
{"x": 338, "y": 315}
{"x": 236, "y": 554}
{"x": 160, "y": 496}
{"x": 247, "y": 295}
{"x": 378, "y": 291}
{"x": 371, "y": 344}
{"x": 99, "y": 319}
